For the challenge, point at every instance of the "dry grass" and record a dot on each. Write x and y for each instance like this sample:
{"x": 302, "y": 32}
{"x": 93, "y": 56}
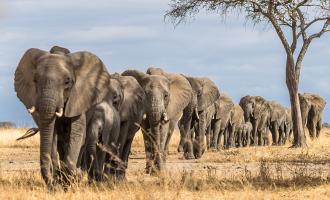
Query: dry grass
{"x": 246, "y": 173}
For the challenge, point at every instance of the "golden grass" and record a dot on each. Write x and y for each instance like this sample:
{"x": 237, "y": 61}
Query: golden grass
{"x": 245, "y": 173}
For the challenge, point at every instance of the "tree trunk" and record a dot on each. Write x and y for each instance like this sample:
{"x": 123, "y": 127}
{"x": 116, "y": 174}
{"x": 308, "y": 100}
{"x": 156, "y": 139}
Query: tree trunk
{"x": 292, "y": 84}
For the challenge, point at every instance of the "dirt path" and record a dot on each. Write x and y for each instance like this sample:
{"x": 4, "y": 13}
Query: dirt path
{"x": 15, "y": 159}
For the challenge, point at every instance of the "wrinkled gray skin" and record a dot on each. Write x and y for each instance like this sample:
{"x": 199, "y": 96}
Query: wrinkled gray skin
{"x": 312, "y": 107}
{"x": 277, "y": 122}
{"x": 103, "y": 128}
{"x": 236, "y": 121}
{"x": 166, "y": 97}
{"x": 59, "y": 89}
{"x": 288, "y": 126}
{"x": 245, "y": 131}
{"x": 224, "y": 107}
{"x": 206, "y": 93}
{"x": 257, "y": 111}
{"x": 128, "y": 98}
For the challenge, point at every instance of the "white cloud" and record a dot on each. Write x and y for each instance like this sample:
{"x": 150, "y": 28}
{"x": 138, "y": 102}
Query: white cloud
{"x": 108, "y": 34}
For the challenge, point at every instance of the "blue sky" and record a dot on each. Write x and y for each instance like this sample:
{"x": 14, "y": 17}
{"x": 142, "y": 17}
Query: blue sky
{"x": 240, "y": 58}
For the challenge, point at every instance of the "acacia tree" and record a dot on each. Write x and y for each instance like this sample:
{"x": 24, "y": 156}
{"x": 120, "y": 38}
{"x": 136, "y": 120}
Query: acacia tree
{"x": 296, "y": 22}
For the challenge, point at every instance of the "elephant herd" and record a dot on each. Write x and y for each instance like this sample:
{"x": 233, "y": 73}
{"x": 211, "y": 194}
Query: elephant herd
{"x": 87, "y": 117}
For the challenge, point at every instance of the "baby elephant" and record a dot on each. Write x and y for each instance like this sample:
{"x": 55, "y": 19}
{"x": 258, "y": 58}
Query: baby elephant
{"x": 245, "y": 132}
{"x": 101, "y": 139}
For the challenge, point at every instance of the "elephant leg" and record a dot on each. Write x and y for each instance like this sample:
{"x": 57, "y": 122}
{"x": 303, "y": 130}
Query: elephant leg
{"x": 216, "y": 132}
{"x": 148, "y": 147}
{"x": 248, "y": 138}
{"x": 239, "y": 138}
{"x": 126, "y": 151}
{"x": 230, "y": 137}
{"x": 312, "y": 129}
{"x": 168, "y": 139}
{"x": 208, "y": 136}
{"x": 55, "y": 159}
{"x": 78, "y": 130}
{"x": 318, "y": 128}
{"x": 254, "y": 132}
{"x": 188, "y": 140}
{"x": 182, "y": 136}
{"x": 275, "y": 134}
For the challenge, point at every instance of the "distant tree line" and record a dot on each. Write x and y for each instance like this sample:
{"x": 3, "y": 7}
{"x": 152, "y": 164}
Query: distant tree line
{"x": 4, "y": 125}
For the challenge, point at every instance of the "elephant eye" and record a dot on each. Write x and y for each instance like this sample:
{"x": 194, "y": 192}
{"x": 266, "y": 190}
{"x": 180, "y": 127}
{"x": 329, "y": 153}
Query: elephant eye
{"x": 67, "y": 82}
{"x": 165, "y": 95}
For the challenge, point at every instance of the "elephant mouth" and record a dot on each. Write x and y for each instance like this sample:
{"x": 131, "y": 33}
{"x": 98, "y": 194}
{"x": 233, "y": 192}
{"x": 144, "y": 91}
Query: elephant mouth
{"x": 59, "y": 112}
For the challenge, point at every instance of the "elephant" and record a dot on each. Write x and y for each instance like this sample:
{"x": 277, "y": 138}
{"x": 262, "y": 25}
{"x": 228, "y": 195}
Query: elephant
{"x": 103, "y": 128}
{"x": 58, "y": 90}
{"x": 257, "y": 111}
{"x": 245, "y": 132}
{"x": 206, "y": 93}
{"x": 236, "y": 121}
{"x": 166, "y": 97}
{"x": 129, "y": 98}
{"x": 288, "y": 126}
{"x": 224, "y": 106}
{"x": 185, "y": 123}
{"x": 312, "y": 107}
{"x": 277, "y": 122}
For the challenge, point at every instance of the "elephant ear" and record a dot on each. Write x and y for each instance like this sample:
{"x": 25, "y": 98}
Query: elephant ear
{"x": 138, "y": 75}
{"x": 24, "y": 76}
{"x": 210, "y": 93}
{"x": 259, "y": 106}
{"x": 180, "y": 94}
{"x": 91, "y": 83}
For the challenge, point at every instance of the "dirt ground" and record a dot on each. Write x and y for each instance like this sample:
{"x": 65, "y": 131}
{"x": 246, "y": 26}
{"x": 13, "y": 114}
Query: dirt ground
{"x": 256, "y": 172}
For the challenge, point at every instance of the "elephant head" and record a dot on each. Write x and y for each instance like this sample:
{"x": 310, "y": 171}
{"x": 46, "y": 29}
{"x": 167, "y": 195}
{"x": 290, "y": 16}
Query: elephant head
{"x": 166, "y": 96}
{"x": 116, "y": 92}
{"x": 207, "y": 93}
{"x": 55, "y": 86}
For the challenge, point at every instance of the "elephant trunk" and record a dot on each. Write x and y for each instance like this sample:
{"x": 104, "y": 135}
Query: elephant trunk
{"x": 199, "y": 146}
{"x": 157, "y": 117}
{"x": 91, "y": 159}
{"x": 47, "y": 110}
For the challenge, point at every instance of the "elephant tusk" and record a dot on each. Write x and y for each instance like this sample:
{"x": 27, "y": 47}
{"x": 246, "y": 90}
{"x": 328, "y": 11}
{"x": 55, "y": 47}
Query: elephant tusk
{"x": 32, "y": 109}
{"x": 29, "y": 133}
{"x": 196, "y": 112}
{"x": 164, "y": 117}
{"x": 60, "y": 113}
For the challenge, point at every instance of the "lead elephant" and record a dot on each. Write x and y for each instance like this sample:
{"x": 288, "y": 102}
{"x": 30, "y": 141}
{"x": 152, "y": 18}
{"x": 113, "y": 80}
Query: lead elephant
{"x": 58, "y": 90}
{"x": 166, "y": 97}
{"x": 257, "y": 111}
{"x": 312, "y": 107}
{"x": 206, "y": 93}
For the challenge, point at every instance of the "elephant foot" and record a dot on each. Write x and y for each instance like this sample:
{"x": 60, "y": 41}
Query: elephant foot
{"x": 180, "y": 149}
{"x": 214, "y": 149}
{"x": 189, "y": 156}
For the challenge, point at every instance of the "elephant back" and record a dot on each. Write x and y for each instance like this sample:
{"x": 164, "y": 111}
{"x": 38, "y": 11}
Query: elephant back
{"x": 277, "y": 112}
{"x": 224, "y": 105}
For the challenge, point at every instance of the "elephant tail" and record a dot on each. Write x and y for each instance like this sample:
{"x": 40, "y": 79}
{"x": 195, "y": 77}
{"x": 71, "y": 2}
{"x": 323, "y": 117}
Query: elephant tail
{"x": 29, "y": 133}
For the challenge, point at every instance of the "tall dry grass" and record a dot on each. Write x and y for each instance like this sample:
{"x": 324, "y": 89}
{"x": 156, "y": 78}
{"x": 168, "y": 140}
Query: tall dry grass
{"x": 245, "y": 173}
